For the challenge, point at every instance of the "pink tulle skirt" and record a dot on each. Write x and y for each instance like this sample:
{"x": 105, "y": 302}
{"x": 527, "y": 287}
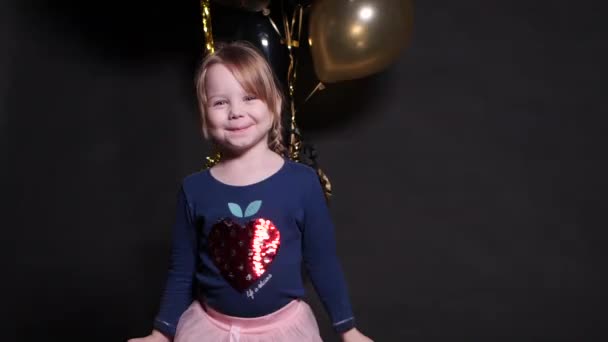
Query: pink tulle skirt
{"x": 295, "y": 322}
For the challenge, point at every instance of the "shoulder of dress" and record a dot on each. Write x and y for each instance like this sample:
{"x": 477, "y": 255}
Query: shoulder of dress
{"x": 195, "y": 178}
{"x": 301, "y": 170}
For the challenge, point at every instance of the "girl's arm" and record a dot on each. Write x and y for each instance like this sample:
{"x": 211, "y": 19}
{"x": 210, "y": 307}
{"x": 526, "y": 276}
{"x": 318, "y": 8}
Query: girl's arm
{"x": 320, "y": 259}
{"x": 178, "y": 293}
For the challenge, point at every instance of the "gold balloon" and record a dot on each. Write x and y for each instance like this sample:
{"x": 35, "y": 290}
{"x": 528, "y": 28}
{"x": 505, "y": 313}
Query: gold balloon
{"x": 351, "y": 39}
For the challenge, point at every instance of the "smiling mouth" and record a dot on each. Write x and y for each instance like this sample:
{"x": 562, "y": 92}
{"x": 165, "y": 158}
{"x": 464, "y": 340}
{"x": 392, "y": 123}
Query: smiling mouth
{"x": 238, "y": 129}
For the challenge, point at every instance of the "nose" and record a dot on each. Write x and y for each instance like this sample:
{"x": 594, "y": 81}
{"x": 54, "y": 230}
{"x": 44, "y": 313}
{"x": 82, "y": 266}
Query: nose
{"x": 236, "y": 110}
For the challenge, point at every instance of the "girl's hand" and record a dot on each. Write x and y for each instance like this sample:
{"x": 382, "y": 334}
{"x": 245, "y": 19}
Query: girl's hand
{"x": 354, "y": 335}
{"x": 155, "y": 336}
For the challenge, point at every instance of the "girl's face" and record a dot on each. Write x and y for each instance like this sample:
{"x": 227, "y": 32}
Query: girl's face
{"x": 236, "y": 120}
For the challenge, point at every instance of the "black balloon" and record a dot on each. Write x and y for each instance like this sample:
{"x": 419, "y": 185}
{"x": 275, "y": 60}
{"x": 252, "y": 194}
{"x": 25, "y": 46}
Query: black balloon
{"x": 230, "y": 24}
{"x": 292, "y": 3}
{"x": 250, "y": 5}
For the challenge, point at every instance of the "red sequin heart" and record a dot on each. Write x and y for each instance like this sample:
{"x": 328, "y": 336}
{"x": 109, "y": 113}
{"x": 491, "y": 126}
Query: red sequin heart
{"x": 243, "y": 254}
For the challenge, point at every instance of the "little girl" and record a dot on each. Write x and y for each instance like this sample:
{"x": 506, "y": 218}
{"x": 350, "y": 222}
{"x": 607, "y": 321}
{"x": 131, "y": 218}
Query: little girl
{"x": 244, "y": 226}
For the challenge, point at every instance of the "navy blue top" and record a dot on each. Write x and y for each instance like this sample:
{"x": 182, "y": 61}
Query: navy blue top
{"x": 291, "y": 200}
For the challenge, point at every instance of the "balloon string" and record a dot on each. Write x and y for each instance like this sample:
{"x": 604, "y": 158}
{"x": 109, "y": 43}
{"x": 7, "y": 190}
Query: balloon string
{"x": 287, "y": 32}
{"x": 293, "y": 32}
{"x": 209, "y": 48}
{"x": 296, "y": 16}
{"x": 295, "y": 133}
{"x": 320, "y": 86}
{"x": 288, "y": 39}
{"x": 300, "y": 10}
{"x": 206, "y": 19}
{"x": 275, "y": 27}
{"x": 295, "y": 141}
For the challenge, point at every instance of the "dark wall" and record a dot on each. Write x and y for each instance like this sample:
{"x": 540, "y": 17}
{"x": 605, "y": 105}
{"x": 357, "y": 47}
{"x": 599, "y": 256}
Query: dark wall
{"x": 468, "y": 177}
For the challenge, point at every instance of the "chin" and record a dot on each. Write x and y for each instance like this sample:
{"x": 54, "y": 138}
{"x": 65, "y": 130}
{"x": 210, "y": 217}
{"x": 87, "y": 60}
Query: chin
{"x": 238, "y": 145}
{"x": 243, "y": 145}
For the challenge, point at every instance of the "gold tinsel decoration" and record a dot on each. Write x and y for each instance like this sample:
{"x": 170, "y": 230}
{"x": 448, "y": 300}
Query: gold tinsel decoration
{"x": 293, "y": 31}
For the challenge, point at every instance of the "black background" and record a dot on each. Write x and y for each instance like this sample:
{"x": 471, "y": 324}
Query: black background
{"x": 469, "y": 176}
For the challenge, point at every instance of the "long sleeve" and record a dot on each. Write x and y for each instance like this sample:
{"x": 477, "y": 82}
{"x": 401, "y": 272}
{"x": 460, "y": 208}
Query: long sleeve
{"x": 178, "y": 294}
{"x": 321, "y": 261}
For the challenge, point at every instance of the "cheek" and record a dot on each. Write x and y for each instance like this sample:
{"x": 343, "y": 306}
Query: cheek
{"x": 213, "y": 118}
{"x": 264, "y": 115}
{"x": 265, "y": 122}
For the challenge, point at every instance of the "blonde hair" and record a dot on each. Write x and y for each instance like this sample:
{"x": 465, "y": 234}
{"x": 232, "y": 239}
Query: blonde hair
{"x": 254, "y": 74}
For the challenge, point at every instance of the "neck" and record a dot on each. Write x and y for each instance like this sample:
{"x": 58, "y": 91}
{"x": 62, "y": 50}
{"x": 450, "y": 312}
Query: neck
{"x": 256, "y": 156}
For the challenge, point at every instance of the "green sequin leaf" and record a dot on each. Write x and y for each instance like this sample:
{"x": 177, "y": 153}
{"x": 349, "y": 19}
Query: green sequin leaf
{"x": 235, "y": 209}
{"x": 253, "y": 208}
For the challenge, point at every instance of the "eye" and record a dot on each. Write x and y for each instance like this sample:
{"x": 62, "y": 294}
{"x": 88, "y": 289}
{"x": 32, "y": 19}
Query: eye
{"x": 250, "y": 97}
{"x": 219, "y": 103}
